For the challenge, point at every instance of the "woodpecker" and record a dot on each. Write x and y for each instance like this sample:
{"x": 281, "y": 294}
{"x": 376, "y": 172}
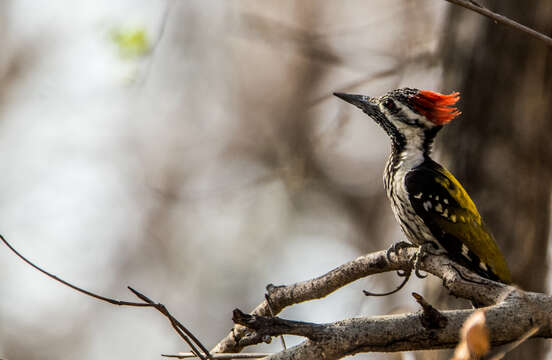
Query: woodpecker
{"x": 430, "y": 205}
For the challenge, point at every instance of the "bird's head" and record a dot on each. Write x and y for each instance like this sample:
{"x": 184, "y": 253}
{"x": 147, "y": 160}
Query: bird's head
{"x": 408, "y": 115}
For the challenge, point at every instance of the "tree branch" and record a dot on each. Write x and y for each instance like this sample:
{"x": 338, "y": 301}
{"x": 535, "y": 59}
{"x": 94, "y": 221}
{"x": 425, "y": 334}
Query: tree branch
{"x": 507, "y": 321}
{"x": 515, "y": 314}
{"x": 460, "y": 282}
{"x": 474, "y": 6}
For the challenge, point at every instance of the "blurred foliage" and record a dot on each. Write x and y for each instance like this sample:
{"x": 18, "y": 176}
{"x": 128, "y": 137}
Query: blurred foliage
{"x": 131, "y": 42}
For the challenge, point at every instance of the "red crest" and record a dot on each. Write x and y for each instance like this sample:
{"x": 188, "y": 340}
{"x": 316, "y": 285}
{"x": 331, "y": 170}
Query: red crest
{"x": 437, "y": 108}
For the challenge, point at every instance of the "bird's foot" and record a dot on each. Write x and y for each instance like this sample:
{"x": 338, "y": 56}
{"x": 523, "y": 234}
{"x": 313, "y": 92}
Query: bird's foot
{"x": 427, "y": 248}
{"x": 394, "y": 249}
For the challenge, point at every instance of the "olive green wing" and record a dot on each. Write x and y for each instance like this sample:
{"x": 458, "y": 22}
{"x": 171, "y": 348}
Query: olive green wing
{"x": 451, "y": 216}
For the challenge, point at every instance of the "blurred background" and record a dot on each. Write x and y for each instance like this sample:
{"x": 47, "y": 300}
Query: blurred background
{"x": 192, "y": 150}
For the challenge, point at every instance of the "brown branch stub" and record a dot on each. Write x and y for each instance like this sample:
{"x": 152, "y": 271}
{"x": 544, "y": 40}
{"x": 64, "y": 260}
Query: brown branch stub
{"x": 431, "y": 317}
{"x": 265, "y": 326}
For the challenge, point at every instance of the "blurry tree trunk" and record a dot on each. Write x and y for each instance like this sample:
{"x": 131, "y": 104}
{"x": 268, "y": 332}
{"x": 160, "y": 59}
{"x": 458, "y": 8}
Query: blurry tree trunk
{"x": 500, "y": 146}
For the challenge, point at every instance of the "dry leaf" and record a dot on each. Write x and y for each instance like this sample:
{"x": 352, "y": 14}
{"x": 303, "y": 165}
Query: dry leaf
{"x": 474, "y": 338}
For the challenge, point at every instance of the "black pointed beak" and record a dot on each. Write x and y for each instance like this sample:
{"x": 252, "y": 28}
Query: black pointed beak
{"x": 361, "y": 101}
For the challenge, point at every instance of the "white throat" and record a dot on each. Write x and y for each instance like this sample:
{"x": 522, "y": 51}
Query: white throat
{"x": 413, "y": 153}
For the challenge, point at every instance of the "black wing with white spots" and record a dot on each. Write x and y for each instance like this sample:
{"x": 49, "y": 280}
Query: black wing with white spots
{"x": 451, "y": 216}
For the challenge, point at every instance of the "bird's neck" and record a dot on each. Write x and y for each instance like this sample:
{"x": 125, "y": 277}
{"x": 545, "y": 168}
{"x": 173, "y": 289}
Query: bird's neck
{"x": 407, "y": 152}
{"x": 407, "y": 155}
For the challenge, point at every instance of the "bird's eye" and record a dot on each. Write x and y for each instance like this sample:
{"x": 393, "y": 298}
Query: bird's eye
{"x": 389, "y": 104}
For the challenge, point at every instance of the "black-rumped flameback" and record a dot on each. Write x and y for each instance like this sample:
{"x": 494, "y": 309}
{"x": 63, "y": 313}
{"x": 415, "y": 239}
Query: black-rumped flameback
{"x": 430, "y": 205}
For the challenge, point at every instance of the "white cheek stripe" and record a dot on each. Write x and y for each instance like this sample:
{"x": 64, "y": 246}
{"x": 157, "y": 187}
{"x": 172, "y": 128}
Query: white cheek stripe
{"x": 412, "y": 115}
{"x": 412, "y": 155}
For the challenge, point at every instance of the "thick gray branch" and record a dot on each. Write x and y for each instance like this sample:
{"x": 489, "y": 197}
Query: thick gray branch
{"x": 481, "y": 290}
{"x": 317, "y": 288}
{"x": 507, "y": 322}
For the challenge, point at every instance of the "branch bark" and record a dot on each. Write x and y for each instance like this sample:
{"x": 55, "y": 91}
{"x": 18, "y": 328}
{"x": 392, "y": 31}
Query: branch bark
{"x": 458, "y": 280}
{"x": 513, "y": 314}
{"x": 507, "y": 322}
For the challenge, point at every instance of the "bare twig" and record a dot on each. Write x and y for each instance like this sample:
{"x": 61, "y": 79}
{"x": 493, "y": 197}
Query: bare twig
{"x": 227, "y": 356}
{"x": 474, "y": 6}
{"x": 184, "y": 333}
{"x": 181, "y": 330}
{"x": 267, "y": 298}
{"x": 74, "y": 287}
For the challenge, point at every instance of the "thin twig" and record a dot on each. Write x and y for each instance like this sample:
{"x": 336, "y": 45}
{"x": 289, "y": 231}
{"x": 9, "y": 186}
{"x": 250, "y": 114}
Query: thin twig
{"x": 181, "y": 330}
{"x": 227, "y": 356}
{"x": 472, "y": 5}
{"x": 74, "y": 287}
{"x": 184, "y": 333}
{"x": 269, "y": 303}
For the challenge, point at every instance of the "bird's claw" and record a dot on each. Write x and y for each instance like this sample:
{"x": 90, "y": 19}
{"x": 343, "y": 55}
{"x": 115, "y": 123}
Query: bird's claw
{"x": 428, "y": 247}
{"x": 423, "y": 251}
{"x": 396, "y": 247}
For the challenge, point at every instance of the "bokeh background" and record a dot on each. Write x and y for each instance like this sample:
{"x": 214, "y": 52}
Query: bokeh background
{"x": 192, "y": 150}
